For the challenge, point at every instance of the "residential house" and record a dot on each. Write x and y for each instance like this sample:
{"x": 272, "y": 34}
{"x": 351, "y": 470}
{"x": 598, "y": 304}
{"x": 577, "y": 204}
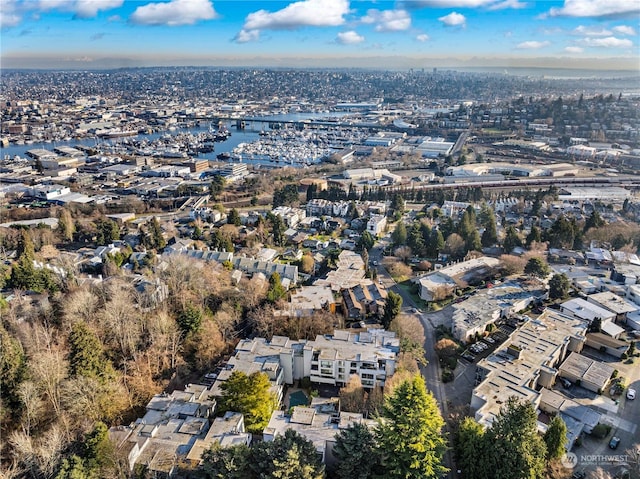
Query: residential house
{"x": 363, "y": 300}
{"x": 172, "y": 426}
{"x": 376, "y": 225}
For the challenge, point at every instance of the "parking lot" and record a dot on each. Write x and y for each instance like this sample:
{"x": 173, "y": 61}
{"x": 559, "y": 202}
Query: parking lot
{"x": 485, "y": 346}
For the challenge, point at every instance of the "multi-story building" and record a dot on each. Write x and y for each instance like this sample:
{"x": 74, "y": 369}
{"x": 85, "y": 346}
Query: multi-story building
{"x": 528, "y": 363}
{"x": 376, "y": 224}
{"x": 329, "y": 359}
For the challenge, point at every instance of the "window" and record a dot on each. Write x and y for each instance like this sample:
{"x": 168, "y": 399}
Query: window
{"x": 367, "y": 376}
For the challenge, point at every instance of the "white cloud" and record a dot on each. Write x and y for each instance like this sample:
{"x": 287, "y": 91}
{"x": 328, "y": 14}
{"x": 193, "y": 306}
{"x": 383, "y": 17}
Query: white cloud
{"x": 174, "y": 13}
{"x": 10, "y": 16}
{"x": 349, "y": 38}
{"x": 81, "y": 8}
{"x": 245, "y": 36}
{"x": 423, "y": 37}
{"x": 515, "y": 4}
{"x": 315, "y": 13}
{"x": 573, "y": 49}
{"x": 491, "y": 4}
{"x": 388, "y": 20}
{"x": 90, "y": 8}
{"x": 591, "y": 31}
{"x": 624, "y": 30}
{"x": 532, "y": 45}
{"x": 454, "y": 19}
{"x": 607, "y": 42}
{"x": 596, "y": 8}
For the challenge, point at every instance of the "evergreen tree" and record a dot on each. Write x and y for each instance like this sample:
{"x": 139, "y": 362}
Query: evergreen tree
{"x": 190, "y": 319}
{"x": 366, "y": 241}
{"x": 66, "y": 227}
{"x": 511, "y": 240}
{"x": 397, "y": 203}
{"x": 286, "y": 196}
{"x": 410, "y": 436}
{"x": 250, "y": 395}
{"x": 356, "y": 452}
{"x": 98, "y": 449}
{"x": 277, "y": 228}
{"x": 157, "y": 239}
{"x": 74, "y": 468}
{"x": 537, "y": 267}
{"x": 436, "y": 243}
{"x": 467, "y": 225}
{"x": 516, "y": 448}
{"x": 399, "y": 235}
{"x": 392, "y": 307}
{"x": 561, "y": 234}
{"x": 470, "y": 444}
{"x": 86, "y": 355}
{"x": 216, "y": 186}
{"x": 415, "y": 239}
{"x": 290, "y": 456}
{"x": 107, "y": 231}
{"x": 233, "y": 218}
{"x": 555, "y": 438}
{"x": 226, "y": 462}
{"x": 490, "y": 235}
{"x": 559, "y": 286}
{"x": 534, "y": 235}
{"x": 276, "y": 290}
{"x": 12, "y": 368}
{"x": 473, "y": 242}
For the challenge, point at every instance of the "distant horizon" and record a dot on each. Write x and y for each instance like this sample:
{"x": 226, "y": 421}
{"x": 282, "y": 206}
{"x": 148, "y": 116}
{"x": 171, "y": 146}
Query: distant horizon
{"x": 610, "y": 67}
{"x": 596, "y": 35}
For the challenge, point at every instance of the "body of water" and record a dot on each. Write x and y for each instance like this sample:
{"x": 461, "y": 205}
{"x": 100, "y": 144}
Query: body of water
{"x": 250, "y": 133}
{"x": 237, "y": 136}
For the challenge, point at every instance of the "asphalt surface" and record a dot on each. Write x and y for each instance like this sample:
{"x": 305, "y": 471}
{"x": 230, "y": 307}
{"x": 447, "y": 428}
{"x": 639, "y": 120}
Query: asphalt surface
{"x": 431, "y": 372}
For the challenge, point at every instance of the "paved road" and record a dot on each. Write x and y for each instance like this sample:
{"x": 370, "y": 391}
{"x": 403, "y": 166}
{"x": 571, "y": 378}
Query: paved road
{"x": 431, "y": 372}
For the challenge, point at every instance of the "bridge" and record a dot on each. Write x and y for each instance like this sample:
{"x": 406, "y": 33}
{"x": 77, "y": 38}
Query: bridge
{"x": 241, "y": 122}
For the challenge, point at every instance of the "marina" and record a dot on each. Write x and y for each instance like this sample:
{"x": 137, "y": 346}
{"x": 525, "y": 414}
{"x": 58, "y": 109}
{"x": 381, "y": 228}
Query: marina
{"x": 254, "y": 142}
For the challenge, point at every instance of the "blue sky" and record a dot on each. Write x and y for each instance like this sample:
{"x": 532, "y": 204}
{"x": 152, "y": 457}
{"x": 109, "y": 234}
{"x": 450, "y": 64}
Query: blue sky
{"x": 399, "y": 34}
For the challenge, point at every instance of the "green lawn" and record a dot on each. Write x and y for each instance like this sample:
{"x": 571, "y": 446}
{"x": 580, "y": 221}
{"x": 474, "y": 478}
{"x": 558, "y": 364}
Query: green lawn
{"x": 412, "y": 290}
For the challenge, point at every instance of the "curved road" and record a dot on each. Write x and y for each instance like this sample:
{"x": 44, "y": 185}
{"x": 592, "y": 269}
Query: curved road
{"x": 431, "y": 372}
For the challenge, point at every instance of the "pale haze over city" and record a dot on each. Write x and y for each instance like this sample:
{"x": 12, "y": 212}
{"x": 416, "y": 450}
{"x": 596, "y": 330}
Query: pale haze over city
{"x": 319, "y": 239}
{"x": 592, "y": 34}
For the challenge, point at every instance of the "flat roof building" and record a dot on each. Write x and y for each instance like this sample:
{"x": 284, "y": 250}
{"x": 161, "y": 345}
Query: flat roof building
{"x": 526, "y": 364}
{"x": 589, "y": 373}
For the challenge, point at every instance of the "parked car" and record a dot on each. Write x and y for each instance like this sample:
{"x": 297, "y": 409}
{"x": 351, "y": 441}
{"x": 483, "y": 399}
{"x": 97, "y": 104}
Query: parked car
{"x": 566, "y": 383}
{"x": 631, "y": 393}
{"x": 489, "y": 339}
{"x": 615, "y": 441}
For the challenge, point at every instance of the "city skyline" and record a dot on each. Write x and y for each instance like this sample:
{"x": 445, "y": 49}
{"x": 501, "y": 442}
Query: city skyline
{"x": 87, "y": 34}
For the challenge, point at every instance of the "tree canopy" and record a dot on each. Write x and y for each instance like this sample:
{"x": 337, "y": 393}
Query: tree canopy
{"x": 392, "y": 307}
{"x": 410, "y": 433}
{"x": 537, "y": 267}
{"x": 356, "y": 452}
{"x": 559, "y": 286}
{"x": 250, "y": 395}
